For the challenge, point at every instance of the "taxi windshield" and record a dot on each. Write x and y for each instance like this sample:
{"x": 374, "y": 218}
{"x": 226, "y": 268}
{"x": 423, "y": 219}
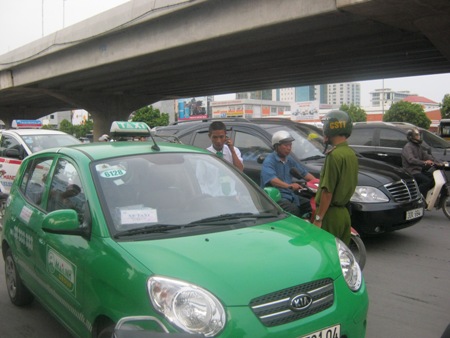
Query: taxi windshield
{"x": 46, "y": 141}
{"x": 163, "y": 191}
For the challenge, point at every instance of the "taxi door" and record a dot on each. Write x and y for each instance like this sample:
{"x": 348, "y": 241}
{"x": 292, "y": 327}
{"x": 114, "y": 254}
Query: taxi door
{"x": 25, "y": 201}
{"x": 60, "y": 257}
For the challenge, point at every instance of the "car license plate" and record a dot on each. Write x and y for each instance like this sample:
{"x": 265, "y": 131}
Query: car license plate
{"x": 411, "y": 214}
{"x": 330, "y": 332}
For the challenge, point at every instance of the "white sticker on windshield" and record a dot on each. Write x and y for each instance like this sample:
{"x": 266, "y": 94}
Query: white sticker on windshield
{"x": 113, "y": 173}
{"x": 138, "y": 216}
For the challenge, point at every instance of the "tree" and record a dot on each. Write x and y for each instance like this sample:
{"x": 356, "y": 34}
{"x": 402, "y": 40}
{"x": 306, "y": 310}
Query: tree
{"x": 403, "y": 111}
{"x": 84, "y": 128}
{"x": 445, "y": 107}
{"x": 153, "y": 117}
{"x": 357, "y": 114}
{"x": 66, "y": 127}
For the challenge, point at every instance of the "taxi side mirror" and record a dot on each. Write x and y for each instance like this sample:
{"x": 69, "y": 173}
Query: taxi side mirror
{"x": 64, "y": 222}
{"x": 273, "y": 193}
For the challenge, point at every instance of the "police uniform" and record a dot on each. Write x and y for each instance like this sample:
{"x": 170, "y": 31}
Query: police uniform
{"x": 339, "y": 176}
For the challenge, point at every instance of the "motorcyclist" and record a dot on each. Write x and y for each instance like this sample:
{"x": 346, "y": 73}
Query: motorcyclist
{"x": 276, "y": 172}
{"x": 416, "y": 161}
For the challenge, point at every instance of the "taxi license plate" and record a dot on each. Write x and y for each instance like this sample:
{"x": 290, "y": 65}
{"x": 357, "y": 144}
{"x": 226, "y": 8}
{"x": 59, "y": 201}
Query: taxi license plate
{"x": 330, "y": 332}
{"x": 411, "y": 214}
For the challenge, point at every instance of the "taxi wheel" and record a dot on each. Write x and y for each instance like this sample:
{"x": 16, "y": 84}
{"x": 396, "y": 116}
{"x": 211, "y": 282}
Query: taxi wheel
{"x": 18, "y": 293}
{"x": 107, "y": 330}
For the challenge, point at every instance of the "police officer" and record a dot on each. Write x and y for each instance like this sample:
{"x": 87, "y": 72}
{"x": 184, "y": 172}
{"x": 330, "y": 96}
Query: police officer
{"x": 338, "y": 178}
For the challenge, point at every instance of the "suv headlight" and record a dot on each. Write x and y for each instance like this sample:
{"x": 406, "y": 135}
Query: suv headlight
{"x": 349, "y": 266}
{"x": 367, "y": 194}
{"x": 188, "y": 306}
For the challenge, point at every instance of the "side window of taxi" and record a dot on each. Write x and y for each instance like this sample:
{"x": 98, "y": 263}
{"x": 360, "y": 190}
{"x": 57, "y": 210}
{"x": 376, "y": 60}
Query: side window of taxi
{"x": 33, "y": 182}
{"x": 66, "y": 191}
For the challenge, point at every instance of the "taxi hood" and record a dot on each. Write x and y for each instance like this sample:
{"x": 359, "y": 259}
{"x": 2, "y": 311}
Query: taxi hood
{"x": 239, "y": 265}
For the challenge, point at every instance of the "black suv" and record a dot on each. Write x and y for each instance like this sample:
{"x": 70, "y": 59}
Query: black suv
{"x": 384, "y": 141}
{"x": 386, "y": 198}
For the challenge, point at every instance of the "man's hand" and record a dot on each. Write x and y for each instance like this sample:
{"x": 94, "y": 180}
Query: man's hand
{"x": 429, "y": 163}
{"x": 318, "y": 223}
{"x": 296, "y": 186}
{"x": 229, "y": 143}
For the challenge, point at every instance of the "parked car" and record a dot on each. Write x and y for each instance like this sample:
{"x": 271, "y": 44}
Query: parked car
{"x": 386, "y": 198}
{"x": 384, "y": 141}
{"x": 16, "y": 144}
{"x": 107, "y": 230}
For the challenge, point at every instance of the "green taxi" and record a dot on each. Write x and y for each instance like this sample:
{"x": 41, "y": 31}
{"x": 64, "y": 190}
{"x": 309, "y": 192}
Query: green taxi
{"x": 97, "y": 232}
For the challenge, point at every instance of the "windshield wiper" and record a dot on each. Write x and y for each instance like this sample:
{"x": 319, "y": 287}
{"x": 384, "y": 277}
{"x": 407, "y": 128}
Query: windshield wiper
{"x": 229, "y": 218}
{"x": 148, "y": 229}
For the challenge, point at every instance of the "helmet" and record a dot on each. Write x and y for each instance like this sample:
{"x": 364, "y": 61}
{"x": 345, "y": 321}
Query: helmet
{"x": 413, "y": 135}
{"x": 104, "y": 138}
{"x": 337, "y": 122}
{"x": 281, "y": 136}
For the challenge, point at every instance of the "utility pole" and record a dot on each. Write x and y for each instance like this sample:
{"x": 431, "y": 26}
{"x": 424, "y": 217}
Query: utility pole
{"x": 64, "y": 13}
{"x": 42, "y": 18}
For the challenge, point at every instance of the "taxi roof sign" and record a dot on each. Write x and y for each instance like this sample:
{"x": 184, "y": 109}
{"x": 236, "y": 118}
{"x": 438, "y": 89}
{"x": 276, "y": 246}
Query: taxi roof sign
{"x": 129, "y": 129}
{"x": 22, "y": 124}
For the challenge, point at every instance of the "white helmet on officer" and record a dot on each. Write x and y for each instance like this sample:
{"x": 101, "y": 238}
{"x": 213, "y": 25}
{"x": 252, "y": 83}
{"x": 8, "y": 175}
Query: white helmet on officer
{"x": 280, "y": 137}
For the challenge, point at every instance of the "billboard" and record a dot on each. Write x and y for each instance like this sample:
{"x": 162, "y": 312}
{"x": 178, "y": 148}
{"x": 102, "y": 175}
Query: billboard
{"x": 304, "y": 111}
{"x": 192, "y": 108}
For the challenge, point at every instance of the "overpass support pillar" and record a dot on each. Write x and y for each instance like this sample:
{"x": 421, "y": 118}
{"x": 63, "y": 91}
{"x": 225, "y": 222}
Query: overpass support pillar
{"x": 103, "y": 121}
{"x": 104, "y": 108}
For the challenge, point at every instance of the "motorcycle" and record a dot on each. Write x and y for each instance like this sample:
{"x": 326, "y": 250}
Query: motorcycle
{"x": 309, "y": 191}
{"x": 439, "y": 196}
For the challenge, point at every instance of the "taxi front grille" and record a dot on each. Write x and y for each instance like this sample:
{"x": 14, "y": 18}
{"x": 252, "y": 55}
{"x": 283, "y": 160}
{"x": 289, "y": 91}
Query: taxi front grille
{"x": 275, "y": 308}
{"x": 404, "y": 190}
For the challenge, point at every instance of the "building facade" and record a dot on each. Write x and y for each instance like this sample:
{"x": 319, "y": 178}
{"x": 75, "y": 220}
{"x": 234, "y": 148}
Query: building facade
{"x": 334, "y": 94}
{"x": 249, "y": 108}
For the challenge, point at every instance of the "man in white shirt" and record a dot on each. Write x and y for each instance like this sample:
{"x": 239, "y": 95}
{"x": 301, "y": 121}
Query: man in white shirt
{"x": 223, "y": 146}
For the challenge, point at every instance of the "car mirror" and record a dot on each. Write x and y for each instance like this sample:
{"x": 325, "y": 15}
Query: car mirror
{"x": 63, "y": 222}
{"x": 13, "y": 153}
{"x": 273, "y": 193}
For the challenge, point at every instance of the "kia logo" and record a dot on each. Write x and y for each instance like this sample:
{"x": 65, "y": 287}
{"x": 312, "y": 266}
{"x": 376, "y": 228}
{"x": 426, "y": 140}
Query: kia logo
{"x": 301, "y": 302}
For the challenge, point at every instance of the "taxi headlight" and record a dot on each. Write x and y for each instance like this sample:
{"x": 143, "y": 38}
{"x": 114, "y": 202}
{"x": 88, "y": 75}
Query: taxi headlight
{"x": 349, "y": 266}
{"x": 368, "y": 194}
{"x": 188, "y": 306}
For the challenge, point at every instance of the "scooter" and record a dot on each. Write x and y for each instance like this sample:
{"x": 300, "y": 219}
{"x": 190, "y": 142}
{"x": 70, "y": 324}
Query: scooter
{"x": 309, "y": 190}
{"x": 439, "y": 196}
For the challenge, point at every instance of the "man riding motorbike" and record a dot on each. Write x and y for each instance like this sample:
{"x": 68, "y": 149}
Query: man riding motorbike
{"x": 276, "y": 172}
{"x": 416, "y": 161}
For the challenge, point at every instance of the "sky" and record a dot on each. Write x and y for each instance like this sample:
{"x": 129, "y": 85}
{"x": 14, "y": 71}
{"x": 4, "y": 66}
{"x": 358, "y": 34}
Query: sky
{"x": 23, "y": 21}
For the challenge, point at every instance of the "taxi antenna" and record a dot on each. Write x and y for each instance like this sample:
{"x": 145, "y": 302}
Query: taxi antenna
{"x": 155, "y": 145}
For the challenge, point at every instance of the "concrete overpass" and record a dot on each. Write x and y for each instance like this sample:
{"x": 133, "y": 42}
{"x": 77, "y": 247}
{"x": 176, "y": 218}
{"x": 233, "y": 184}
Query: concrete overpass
{"x": 145, "y": 51}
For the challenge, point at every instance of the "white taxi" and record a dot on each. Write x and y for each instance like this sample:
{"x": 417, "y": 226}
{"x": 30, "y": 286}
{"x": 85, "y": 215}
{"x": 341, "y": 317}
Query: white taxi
{"x": 27, "y": 138}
